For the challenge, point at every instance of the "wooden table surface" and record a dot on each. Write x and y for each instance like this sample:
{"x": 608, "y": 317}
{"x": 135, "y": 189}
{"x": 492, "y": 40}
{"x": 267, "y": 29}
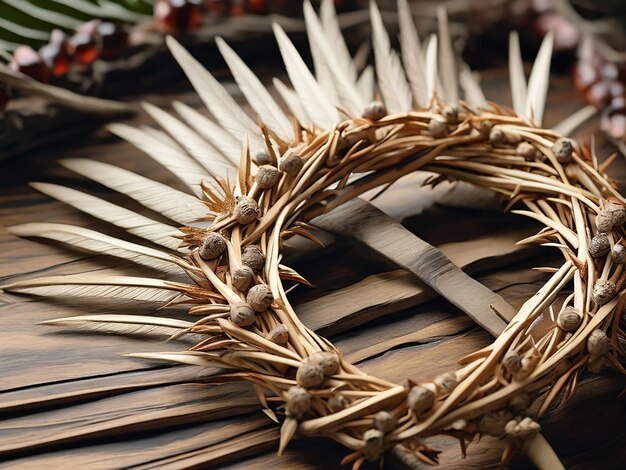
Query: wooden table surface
{"x": 71, "y": 399}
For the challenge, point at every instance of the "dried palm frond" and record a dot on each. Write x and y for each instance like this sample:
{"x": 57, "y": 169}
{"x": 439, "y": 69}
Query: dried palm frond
{"x": 260, "y": 183}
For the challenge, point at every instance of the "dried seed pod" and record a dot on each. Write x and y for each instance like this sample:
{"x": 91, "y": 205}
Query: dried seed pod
{"x": 260, "y": 297}
{"x": 420, "y": 399}
{"x": 328, "y": 361}
{"x": 451, "y": 114}
{"x": 604, "y": 221}
{"x": 337, "y": 403}
{"x": 523, "y": 430}
{"x": 267, "y": 177}
{"x": 253, "y": 257}
{"x": 279, "y": 335}
{"x": 497, "y": 136}
{"x": 298, "y": 402}
{"x": 385, "y": 421}
{"x": 520, "y": 402}
{"x": 599, "y": 245}
{"x": 528, "y": 151}
{"x": 529, "y": 362}
{"x": 438, "y": 128}
{"x": 563, "y": 149}
{"x": 246, "y": 210}
{"x": 242, "y": 315}
{"x": 494, "y": 422}
{"x": 310, "y": 375}
{"x": 243, "y": 278}
{"x": 483, "y": 127}
{"x": 212, "y": 246}
{"x": 263, "y": 157}
{"x": 373, "y": 444}
{"x": 446, "y": 382}
{"x": 598, "y": 343}
{"x": 618, "y": 253}
{"x": 374, "y": 111}
{"x": 291, "y": 164}
{"x": 569, "y": 319}
{"x": 512, "y": 362}
{"x": 603, "y": 292}
{"x": 618, "y": 213}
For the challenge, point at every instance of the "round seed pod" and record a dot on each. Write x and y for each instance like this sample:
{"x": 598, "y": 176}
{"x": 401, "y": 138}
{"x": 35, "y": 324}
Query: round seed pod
{"x": 569, "y": 319}
{"x": 512, "y": 362}
{"x": 263, "y": 157}
{"x": 243, "y": 278}
{"x": 242, "y": 315}
{"x": 279, "y": 335}
{"x": 253, "y": 257}
{"x": 599, "y": 245}
{"x": 420, "y": 399}
{"x": 385, "y": 421}
{"x": 328, "y": 361}
{"x": 598, "y": 343}
{"x": 374, "y": 111}
{"x": 374, "y": 445}
{"x": 527, "y": 150}
{"x": 523, "y": 430}
{"x": 451, "y": 114}
{"x": 438, "y": 128}
{"x": 267, "y": 177}
{"x": 298, "y": 402}
{"x": 618, "y": 253}
{"x": 310, "y": 375}
{"x": 260, "y": 297}
{"x": 604, "y": 221}
{"x": 337, "y": 403}
{"x": 291, "y": 164}
{"x": 494, "y": 422}
{"x": 497, "y": 136}
{"x": 563, "y": 149}
{"x": 520, "y": 402}
{"x": 246, "y": 210}
{"x": 603, "y": 292}
{"x": 212, "y": 246}
{"x": 446, "y": 382}
{"x": 483, "y": 127}
{"x": 618, "y": 213}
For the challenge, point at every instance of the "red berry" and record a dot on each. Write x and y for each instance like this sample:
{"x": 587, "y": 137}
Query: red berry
{"x": 585, "y": 75}
{"x": 178, "y": 16}
{"x": 84, "y": 47}
{"x": 55, "y": 54}
{"x": 218, "y": 7}
{"x": 617, "y": 128}
{"x": 256, "y": 7}
{"x": 27, "y": 61}
{"x": 599, "y": 95}
{"x": 113, "y": 40}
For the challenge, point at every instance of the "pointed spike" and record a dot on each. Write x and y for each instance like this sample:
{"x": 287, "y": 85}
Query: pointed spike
{"x": 391, "y": 79}
{"x": 412, "y": 55}
{"x": 448, "y": 72}
{"x": 539, "y": 81}
{"x": 312, "y": 98}
{"x": 256, "y": 94}
{"x": 516, "y": 75}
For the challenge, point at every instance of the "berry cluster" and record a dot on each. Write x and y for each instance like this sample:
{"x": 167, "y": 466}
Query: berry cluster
{"x": 93, "y": 40}
{"x": 602, "y": 83}
{"x": 100, "y": 39}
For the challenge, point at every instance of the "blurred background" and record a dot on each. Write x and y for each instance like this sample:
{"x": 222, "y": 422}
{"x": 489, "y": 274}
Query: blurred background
{"x": 114, "y": 49}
